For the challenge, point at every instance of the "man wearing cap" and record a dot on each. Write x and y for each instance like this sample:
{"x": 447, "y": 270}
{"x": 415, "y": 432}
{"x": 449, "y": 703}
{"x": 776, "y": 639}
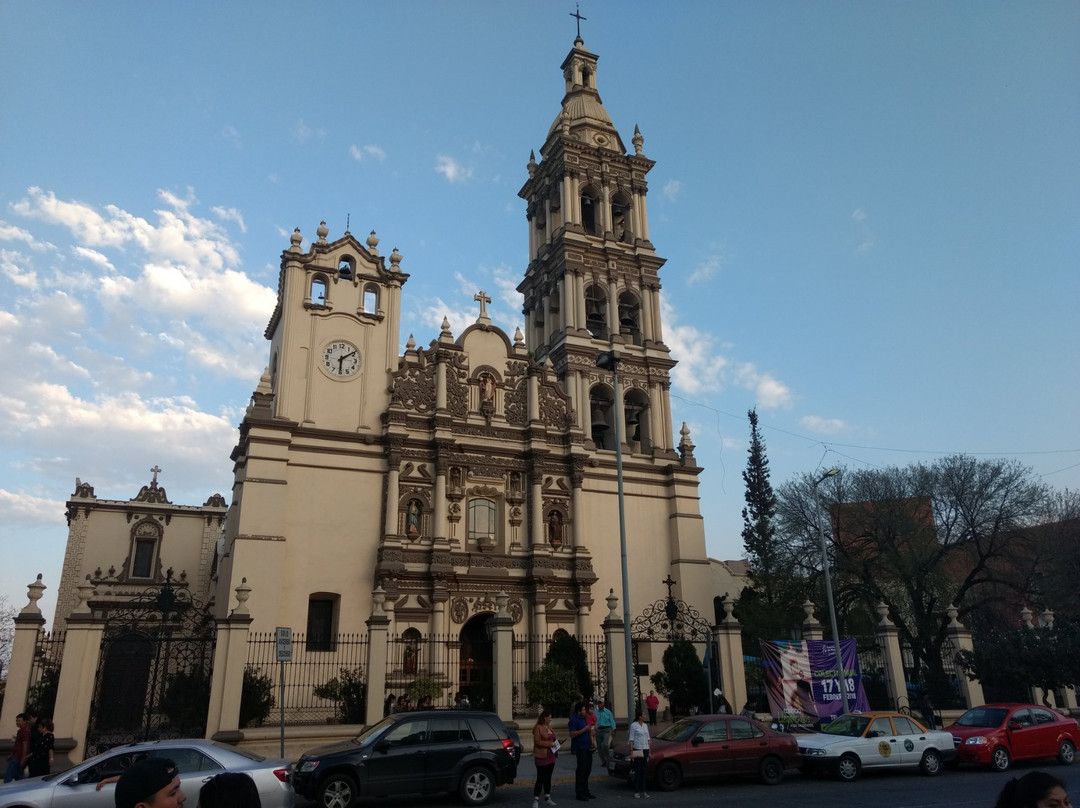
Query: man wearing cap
{"x": 149, "y": 783}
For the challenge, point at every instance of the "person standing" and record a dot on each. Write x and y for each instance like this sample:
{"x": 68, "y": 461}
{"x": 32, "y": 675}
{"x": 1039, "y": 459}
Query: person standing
{"x": 581, "y": 743}
{"x": 150, "y": 781}
{"x": 605, "y": 728}
{"x": 20, "y": 751}
{"x": 544, "y": 756}
{"x": 41, "y": 748}
{"x": 653, "y": 703}
{"x": 639, "y": 753}
{"x": 926, "y": 707}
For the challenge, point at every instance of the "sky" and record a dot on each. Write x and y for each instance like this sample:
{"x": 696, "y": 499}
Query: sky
{"x": 870, "y": 214}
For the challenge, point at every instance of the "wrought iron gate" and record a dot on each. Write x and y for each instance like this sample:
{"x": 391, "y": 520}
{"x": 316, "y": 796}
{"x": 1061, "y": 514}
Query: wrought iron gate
{"x": 153, "y": 676}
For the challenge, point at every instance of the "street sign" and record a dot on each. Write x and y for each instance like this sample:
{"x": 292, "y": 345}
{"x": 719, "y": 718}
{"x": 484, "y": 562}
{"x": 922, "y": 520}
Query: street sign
{"x": 284, "y": 644}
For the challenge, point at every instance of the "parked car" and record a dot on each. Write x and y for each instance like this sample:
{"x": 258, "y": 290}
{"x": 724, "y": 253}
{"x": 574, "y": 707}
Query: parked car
{"x": 708, "y": 746}
{"x": 997, "y": 734}
{"x": 469, "y": 752}
{"x": 197, "y": 759}
{"x": 876, "y": 740}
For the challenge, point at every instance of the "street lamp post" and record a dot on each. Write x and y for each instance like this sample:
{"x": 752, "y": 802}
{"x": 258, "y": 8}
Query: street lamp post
{"x": 609, "y": 361}
{"x": 840, "y": 679}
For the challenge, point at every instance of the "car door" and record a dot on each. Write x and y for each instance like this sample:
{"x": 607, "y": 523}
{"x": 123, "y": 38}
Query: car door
{"x": 450, "y": 741}
{"x": 79, "y": 789}
{"x": 397, "y": 764}
{"x": 194, "y": 766}
{"x": 1044, "y": 733}
{"x": 707, "y": 754}
{"x": 911, "y": 740}
{"x": 747, "y": 744}
{"x": 878, "y": 746}
{"x": 1024, "y": 738}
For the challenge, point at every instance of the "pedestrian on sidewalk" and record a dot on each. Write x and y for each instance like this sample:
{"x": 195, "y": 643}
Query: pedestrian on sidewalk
{"x": 20, "y": 751}
{"x": 653, "y": 703}
{"x": 605, "y": 729}
{"x": 582, "y": 741}
{"x": 545, "y": 753}
{"x": 639, "y": 753}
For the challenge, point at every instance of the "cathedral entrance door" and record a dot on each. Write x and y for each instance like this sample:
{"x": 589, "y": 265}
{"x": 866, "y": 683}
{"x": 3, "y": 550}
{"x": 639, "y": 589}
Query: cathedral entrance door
{"x": 476, "y": 677}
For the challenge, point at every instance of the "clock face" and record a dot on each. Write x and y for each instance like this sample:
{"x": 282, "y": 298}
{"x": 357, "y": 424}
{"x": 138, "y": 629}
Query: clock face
{"x": 341, "y": 359}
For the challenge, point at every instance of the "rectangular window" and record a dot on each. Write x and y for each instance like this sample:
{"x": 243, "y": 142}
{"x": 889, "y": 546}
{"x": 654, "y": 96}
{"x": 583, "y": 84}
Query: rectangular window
{"x": 320, "y": 624}
{"x": 143, "y": 564}
{"x": 481, "y": 520}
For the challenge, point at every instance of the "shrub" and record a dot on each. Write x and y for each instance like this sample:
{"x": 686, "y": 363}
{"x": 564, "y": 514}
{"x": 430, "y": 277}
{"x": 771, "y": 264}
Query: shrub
{"x": 554, "y": 687}
{"x": 567, "y": 652}
{"x": 350, "y": 692}
{"x": 256, "y": 697}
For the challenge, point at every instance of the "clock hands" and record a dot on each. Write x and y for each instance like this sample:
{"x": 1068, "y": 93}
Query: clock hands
{"x": 341, "y": 359}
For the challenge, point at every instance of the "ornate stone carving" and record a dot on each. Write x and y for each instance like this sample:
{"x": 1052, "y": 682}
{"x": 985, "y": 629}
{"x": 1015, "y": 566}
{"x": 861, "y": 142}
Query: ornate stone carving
{"x": 516, "y": 404}
{"x": 413, "y": 387}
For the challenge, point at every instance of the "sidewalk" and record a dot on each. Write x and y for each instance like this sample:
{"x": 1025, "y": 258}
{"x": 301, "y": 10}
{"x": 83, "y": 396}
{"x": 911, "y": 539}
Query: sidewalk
{"x": 564, "y": 770}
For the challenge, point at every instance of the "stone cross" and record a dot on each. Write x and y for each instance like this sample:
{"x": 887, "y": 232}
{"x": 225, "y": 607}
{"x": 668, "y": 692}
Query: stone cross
{"x": 156, "y": 470}
{"x": 483, "y": 298}
{"x": 577, "y": 13}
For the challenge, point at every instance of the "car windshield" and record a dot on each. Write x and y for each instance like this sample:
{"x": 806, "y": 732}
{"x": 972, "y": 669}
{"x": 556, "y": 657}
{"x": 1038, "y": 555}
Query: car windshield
{"x": 851, "y": 725}
{"x": 983, "y": 717}
{"x": 679, "y": 731}
{"x": 374, "y": 729}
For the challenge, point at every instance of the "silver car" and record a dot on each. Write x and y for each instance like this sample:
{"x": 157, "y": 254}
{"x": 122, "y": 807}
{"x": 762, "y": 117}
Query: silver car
{"x": 198, "y": 760}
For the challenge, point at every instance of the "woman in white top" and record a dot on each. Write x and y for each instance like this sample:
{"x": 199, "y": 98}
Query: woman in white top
{"x": 639, "y": 752}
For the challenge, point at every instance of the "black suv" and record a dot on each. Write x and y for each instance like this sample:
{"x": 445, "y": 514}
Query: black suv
{"x": 467, "y": 751}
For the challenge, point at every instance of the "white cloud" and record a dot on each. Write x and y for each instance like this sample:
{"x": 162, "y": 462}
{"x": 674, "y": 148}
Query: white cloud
{"x": 360, "y": 153}
{"x": 230, "y": 215}
{"x": 866, "y": 240}
{"x": 770, "y": 392}
{"x": 858, "y": 215}
{"x": 24, "y": 509}
{"x": 9, "y": 232}
{"x": 232, "y": 134}
{"x": 672, "y": 189}
{"x": 705, "y": 270}
{"x": 823, "y": 426}
{"x": 302, "y": 132}
{"x": 18, "y": 269}
{"x": 451, "y": 169}
{"x": 95, "y": 257}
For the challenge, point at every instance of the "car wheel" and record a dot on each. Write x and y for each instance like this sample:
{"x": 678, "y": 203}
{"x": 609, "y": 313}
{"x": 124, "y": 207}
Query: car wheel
{"x": 668, "y": 776}
{"x": 771, "y": 771}
{"x": 1000, "y": 759}
{"x": 1066, "y": 753}
{"x": 930, "y": 763}
{"x": 337, "y": 791}
{"x": 477, "y": 786}
{"x": 848, "y": 767}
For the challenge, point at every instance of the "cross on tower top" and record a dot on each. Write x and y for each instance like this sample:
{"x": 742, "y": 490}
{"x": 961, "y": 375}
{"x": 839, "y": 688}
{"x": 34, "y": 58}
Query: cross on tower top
{"x": 483, "y": 298}
{"x": 156, "y": 471}
{"x": 577, "y": 14}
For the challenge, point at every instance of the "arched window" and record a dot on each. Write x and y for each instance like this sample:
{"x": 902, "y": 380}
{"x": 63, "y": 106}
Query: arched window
{"x": 620, "y": 218}
{"x": 371, "y": 299}
{"x": 630, "y": 318}
{"x": 145, "y": 546}
{"x": 590, "y": 211}
{"x": 602, "y": 410}
{"x": 410, "y": 650}
{"x": 347, "y": 268}
{"x": 482, "y": 525}
{"x": 318, "y": 291}
{"x": 596, "y": 311}
{"x": 638, "y": 435}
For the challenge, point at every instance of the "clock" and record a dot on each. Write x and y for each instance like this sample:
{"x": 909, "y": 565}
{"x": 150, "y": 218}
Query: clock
{"x": 341, "y": 359}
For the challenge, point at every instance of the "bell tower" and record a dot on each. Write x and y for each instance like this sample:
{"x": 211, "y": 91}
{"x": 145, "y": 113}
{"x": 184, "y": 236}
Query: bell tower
{"x": 593, "y": 284}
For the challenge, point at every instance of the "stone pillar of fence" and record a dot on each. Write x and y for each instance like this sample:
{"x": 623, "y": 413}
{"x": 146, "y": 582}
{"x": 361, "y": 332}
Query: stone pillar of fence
{"x": 615, "y": 642}
{"x": 377, "y": 653}
{"x": 811, "y": 628}
{"x": 230, "y": 659}
{"x": 503, "y": 635}
{"x": 28, "y": 625}
{"x": 888, "y": 637}
{"x": 961, "y": 640}
{"x": 728, "y": 638}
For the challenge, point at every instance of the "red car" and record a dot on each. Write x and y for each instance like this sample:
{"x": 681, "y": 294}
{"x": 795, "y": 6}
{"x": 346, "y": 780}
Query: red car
{"x": 997, "y": 734}
{"x": 707, "y": 746}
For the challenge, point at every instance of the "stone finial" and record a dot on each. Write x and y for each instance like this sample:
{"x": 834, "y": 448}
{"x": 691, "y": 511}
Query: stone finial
{"x": 729, "y": 609}
{"x": 519, "y": 338}
{"x": 501, "y": 600}
{"x": 637, "y": 140}
{"x": 395, "y": 260}
{"x": 243, "y": 592}
{"x": 411, "y": 344}
{"x": 373, "y": 243}
{"x": 882, "y": 610}
{"x": 612, "y": 605}
{"x": 378, "y": 597}
{"x": 1047, "y": 619}
{"x": 34, "y": 591}
{"x": 564, "y": 122}
{"x": 808, "y": 610}
{"x": 1025, "y": 617}
{"x": 686, "y": 446}
{"x": 85, "y": 591}
{"x": 322, "y": 232}
{"x": 295, "y": 240}
{"x": 532, "y": 164}
{"x": 446, "y": 334}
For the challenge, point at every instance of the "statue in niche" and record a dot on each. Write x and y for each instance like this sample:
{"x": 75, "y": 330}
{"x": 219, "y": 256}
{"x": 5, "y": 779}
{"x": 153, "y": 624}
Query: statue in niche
{"x": 455, "y": 479}
{"x": 412, "y": 519}
{"x": 555, "y": 530}
{"x": 487, "y": 389}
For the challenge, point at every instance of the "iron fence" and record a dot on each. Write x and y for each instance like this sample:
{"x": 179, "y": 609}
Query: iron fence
{"x": 529, "y": 655}
{"x": 875, "y": 677}
{"x": 324, "y": 682}
{"x": 45, "y": 672}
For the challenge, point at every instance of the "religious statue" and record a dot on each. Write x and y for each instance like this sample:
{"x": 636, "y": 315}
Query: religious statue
{"x": 487, "y": 389}
{"x": 555, "y": 529}
{"x": 412, "y": 518}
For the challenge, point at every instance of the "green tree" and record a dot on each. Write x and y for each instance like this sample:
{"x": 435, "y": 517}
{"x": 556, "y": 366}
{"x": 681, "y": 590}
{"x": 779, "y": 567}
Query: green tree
{"x": 349, "y": 690}
{"x": 683, "y": 680}
{"x": 1014, "y": 660}
{"x": 567, "y": 652}
{"x": 256, "y": 697}
{"x": 759, "y": 533}
{"x": 187, "y": 700}
{"x": 553, "y": 687}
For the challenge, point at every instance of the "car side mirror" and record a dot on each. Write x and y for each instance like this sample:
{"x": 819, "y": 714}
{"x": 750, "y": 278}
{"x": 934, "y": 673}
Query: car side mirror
{"x": 698, "y": 741}
{"x": 383, "y": 747}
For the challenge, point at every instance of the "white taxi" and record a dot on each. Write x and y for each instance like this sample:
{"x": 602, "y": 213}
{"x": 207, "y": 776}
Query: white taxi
{"x": 854, "y": 741}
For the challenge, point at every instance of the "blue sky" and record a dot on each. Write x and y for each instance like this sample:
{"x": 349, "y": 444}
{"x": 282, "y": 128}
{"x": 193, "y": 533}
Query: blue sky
{"x": 870, "y": 214}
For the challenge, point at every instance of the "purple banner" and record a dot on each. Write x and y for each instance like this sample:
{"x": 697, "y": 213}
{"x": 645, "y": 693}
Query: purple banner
{"x": 802, "y": 685}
